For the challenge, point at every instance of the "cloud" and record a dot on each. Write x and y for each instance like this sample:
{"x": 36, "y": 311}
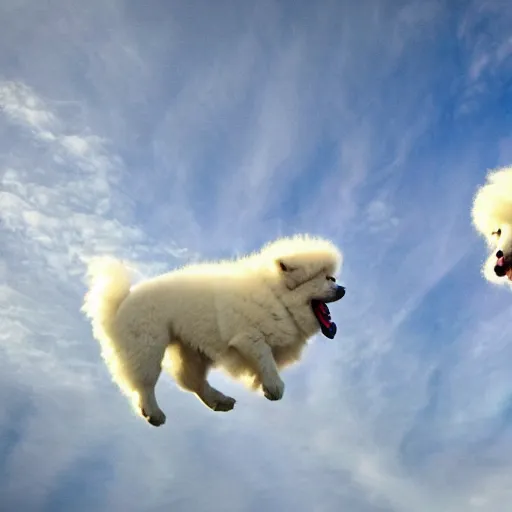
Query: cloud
{"x": 489, "y": 53}
{"x": 161, "y": 135}
{"x": 64, "y": 203}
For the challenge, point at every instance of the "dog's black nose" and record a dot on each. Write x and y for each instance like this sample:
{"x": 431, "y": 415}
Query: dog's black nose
{"x": 340, "y": 292}
{"x": 500, "y": 270}
{"x": 499, "y": 254}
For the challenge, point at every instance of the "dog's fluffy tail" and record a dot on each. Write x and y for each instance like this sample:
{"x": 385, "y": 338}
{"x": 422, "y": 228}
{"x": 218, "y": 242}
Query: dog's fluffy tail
{"x": 109, "y": 285}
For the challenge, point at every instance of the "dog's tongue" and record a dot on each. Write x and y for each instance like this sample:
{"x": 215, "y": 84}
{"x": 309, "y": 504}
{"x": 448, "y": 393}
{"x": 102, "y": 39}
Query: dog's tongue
{"x": 324, "y": 319}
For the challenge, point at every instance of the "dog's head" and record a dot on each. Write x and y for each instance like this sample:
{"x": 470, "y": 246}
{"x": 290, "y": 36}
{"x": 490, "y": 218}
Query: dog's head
{"x": 306, "y": 269}
{"x": 492, "y": 217}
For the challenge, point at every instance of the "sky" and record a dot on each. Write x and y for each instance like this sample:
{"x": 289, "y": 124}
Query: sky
{"x": 165, "y": 132}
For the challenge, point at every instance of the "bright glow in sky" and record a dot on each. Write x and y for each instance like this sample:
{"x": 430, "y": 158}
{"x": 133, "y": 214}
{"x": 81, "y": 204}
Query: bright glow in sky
{"x": 168, "y": 131}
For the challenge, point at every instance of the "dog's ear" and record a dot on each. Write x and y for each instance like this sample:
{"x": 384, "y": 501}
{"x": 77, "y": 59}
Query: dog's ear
{"x": 283, "y": 266}
{"x": 290, "y": 272}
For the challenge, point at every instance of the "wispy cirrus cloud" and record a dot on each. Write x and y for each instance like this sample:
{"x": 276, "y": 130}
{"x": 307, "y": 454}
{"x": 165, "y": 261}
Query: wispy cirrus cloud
{"x": 485, "y": 33}
{"x": 60, "y": 198}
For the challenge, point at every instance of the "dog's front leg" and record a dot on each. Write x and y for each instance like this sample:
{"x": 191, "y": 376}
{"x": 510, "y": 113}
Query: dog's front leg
{"x": 253, "y": 347}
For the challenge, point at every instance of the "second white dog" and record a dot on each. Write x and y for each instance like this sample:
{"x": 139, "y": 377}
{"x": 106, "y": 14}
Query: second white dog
{"x": 249, "y": 317}
{"x": 492, "y": 218}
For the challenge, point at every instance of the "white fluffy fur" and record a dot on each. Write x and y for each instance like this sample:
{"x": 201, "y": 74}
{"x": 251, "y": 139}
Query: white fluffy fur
{"x": 492, "y": 211}
{"x": 250, "y": 317}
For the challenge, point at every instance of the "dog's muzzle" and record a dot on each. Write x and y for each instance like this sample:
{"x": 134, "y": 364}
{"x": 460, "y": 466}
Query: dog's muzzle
{"x": 339, "y": 294}
{"x": 501, "y": 267}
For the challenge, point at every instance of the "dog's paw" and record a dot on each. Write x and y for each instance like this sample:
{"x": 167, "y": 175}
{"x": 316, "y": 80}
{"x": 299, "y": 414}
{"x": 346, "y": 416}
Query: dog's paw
{"x": 225, "y": 404}
{"x": 273, "y": 391}
{"x": 156, "y": 419}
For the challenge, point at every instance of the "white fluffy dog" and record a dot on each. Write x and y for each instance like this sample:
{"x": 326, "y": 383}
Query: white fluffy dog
{"x": 492, "y": 217}
{"x": 250, "y": 317}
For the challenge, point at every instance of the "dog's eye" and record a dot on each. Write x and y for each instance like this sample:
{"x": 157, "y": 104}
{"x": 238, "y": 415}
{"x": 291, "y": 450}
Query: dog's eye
{"x": 330, "y": 278}
{"x": 497, "y": 233}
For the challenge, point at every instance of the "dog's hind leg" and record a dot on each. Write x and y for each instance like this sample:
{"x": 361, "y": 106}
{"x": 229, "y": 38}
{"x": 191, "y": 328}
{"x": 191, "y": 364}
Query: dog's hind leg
{"x": 141, "y": 362}
{"x": 189, "y": 369}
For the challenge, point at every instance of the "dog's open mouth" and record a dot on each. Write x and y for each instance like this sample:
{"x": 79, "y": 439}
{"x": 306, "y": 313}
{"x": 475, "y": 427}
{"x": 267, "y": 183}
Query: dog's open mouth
{"x": 503, "y": 266}
{"x": 323, "y": 316}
